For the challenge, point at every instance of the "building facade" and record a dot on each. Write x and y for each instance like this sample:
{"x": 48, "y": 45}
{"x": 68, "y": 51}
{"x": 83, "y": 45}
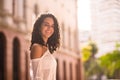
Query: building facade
{"x": 105, "y": 24}
{"x": 16, "y": 23}
{"x": 13, "y": 45}
{"x": 84, "y": 37}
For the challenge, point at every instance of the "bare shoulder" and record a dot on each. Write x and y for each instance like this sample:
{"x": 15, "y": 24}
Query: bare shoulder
{"x": 36, "y": 51}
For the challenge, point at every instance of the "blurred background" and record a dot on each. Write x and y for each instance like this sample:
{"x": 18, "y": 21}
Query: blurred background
{"x": 89, "y": 29}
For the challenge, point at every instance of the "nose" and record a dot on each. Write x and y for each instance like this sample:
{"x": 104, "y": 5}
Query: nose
{"x": 50, "y": 27}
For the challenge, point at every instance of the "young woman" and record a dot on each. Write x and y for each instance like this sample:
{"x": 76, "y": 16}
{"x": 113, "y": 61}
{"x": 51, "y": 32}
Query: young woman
{"x": 45, "y": 40}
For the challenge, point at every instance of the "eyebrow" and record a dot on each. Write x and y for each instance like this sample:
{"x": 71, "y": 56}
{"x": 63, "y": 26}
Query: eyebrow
{"x": 47, "y": 22}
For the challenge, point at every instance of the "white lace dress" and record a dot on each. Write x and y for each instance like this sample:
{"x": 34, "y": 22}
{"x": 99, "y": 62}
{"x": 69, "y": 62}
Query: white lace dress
{"x": 44, "y": 68}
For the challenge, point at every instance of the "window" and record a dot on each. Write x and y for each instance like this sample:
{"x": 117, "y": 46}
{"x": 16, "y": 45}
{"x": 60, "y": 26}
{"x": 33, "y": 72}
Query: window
{"x": 71, "y": 75}
{"x": 69, "y": 37}
{"x": 2, "y": 56}
{"x": 16, "y": 59}
{"x": 64, "y": 70}
{"x": 1, "y": 4}
{"x": 63, "y": 34}
{"x": 13, "y": 7}
{"x": 57, "y": 75}
{"x": 36, "y": 10}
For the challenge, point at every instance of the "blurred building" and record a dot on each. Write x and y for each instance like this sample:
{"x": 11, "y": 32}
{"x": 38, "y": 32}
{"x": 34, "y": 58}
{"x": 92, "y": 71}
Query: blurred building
{"x": 84, "y": 37}
{"x": 105, "y": 24}
{"x": 16, "y": 23}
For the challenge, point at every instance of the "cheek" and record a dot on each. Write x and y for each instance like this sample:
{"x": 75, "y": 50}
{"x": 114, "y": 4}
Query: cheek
{"x": 42, "y": 31}
{"x": 53, "y": 31}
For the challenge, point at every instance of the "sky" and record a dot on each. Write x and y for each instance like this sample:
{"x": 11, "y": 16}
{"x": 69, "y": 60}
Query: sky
{"x": 84, "y": 21}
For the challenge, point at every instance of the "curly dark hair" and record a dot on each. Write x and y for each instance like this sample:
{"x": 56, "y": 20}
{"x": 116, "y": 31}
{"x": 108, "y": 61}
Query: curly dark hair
{"x": 53, "y": 41}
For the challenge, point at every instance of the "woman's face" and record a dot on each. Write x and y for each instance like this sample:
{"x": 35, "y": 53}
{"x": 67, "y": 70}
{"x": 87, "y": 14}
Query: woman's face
{"x": 47, "y": 27}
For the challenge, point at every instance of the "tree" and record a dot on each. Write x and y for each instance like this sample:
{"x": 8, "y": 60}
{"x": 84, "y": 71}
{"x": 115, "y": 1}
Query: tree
{"x": 110, "y": 63}
{"x": 89, "y": 51}
{"x": 91, "y": 66}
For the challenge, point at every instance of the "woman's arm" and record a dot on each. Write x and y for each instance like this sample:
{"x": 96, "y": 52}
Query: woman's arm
{"x": 36, "y": 51}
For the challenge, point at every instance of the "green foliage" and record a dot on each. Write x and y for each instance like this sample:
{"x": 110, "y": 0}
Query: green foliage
{"x": 86, "y": 53}
{"x": 110, "y": 63}
{"x": 94, "y": 48}
{"x": 89, "y": 51}
{"x": 91, "y": 66}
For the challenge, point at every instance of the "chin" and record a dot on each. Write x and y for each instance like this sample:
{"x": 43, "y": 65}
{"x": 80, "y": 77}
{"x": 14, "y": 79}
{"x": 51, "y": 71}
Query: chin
{"x": 48, "y": 36}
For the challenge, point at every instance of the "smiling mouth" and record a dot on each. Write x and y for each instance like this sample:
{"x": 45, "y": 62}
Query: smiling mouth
{"x": 48, "y": 31}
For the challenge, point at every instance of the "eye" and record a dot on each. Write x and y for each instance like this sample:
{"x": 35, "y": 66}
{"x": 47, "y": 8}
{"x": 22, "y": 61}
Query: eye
{"x": 46, "y": 25}
{"x": 52, "y": 26}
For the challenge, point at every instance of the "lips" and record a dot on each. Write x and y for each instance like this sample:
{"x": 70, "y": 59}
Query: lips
{"x": 48, "y": 32}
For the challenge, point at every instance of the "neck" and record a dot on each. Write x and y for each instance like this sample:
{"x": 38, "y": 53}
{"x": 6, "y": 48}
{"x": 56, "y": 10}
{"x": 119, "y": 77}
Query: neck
{"x": 45, "y": 41}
